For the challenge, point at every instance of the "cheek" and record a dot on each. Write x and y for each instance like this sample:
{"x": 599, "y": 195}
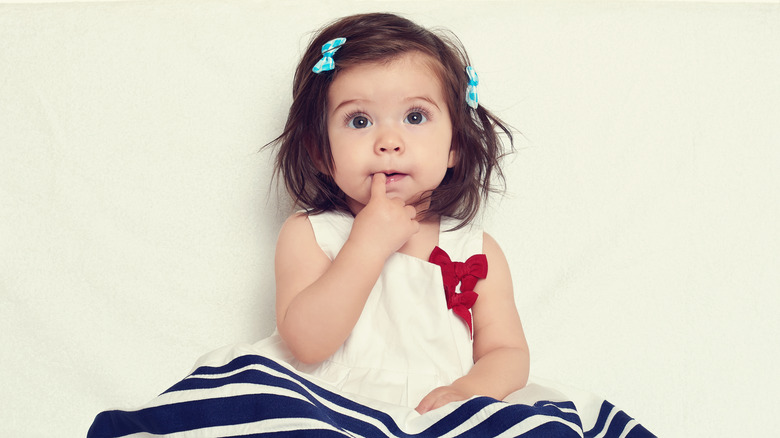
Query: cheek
{"x": 444, "y": 150}
{"x": 339, "y": 149}
{"x": 344, "y": 160}
{"x": 348, "y": 169}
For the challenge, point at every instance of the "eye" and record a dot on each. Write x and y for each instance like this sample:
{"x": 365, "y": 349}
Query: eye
{"x": 416, "y": 118}
{"x": 358, "y": 122}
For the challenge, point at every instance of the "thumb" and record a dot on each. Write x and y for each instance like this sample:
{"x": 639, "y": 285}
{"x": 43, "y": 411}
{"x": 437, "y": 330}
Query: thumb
{"x": 378, "y": 189}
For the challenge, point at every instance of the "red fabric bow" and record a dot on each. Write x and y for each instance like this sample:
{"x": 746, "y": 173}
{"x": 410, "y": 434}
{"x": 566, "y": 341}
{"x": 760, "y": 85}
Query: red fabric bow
{"x": 466, "y": 273}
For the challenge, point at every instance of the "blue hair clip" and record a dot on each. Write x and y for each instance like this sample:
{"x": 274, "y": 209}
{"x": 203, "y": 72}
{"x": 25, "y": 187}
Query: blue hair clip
{"x": 328, "y": 49}
{"x": 472, "y": 99}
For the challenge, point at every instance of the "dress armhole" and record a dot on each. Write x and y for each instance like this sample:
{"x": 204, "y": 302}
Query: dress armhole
{"x": 331, "y": 230}
{"x": 462, "y": 243}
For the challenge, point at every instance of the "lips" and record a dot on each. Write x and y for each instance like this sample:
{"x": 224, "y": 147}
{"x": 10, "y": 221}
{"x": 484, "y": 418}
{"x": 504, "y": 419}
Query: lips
{"x": 393, "y": 176}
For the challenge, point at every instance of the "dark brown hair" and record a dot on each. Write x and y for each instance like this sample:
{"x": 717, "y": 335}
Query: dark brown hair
{"x": 304, "y": 157}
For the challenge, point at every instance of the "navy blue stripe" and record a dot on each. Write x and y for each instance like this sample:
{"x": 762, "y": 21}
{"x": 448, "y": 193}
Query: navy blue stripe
{"x": 449, "y": 422}
{"x": 601, "y": 421}
{"x": 248, "y": 360}
{"x": 458, "y": 416}
{"x": 640, "y": 432}
{"x": 565, "y": 410}
{"x": 297, "y": 385}
{"x": 241, "y": 362}
{"x": 239, "y": 409}
{"x": 323, "y": 412}
{"x": 617, "y": 425}
{"x": 445, "y": 425}
{"x": 512, "y": 414}
{"x": 198, "y": 414}
{"x": 310, "y": 433}
{"x": 551, "y": 429}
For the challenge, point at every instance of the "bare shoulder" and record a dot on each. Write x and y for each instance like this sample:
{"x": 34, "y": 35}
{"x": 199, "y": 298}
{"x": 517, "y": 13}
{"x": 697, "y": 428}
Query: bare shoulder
{"x": 297, "y": 233}
{"x": 489, "y": 244}
{"x": 497, "y": 264}
{"x": 297, "y": 244}
{"x": 296, "y": 247}
{"x": 295, "y": 225}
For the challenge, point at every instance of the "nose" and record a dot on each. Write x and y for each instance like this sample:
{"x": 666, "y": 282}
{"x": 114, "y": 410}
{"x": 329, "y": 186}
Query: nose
{"x": 389, "y": 141}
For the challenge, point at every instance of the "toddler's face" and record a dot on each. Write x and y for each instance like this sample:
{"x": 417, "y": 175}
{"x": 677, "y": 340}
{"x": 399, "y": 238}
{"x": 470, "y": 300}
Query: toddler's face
{"x": 390, "y": 118}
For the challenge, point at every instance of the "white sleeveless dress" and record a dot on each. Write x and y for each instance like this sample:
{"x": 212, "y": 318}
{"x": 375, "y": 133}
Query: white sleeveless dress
{"x": 406, "y": 342}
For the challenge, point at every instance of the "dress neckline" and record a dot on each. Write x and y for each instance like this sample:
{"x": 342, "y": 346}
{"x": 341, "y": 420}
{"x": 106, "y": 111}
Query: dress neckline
{"x": 445, "y": 223}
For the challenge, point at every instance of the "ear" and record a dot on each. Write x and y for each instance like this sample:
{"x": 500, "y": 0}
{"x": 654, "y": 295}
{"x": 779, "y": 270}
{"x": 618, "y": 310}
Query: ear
{"x": 452, "y": 160}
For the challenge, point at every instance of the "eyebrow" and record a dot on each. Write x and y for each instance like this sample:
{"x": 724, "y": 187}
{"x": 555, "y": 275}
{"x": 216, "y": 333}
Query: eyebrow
{"x": 408, "y": 99}
{"x": 348, "y": 102}
{"x": 425, "y": 98}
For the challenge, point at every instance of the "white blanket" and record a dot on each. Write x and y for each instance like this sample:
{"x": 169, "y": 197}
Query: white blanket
{"x": 138, "y": 219}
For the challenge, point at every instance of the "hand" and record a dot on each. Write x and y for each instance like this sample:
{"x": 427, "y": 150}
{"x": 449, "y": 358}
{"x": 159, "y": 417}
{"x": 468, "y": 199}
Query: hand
{"x": 440, "y": 397}
{"x": 385, "y": 224}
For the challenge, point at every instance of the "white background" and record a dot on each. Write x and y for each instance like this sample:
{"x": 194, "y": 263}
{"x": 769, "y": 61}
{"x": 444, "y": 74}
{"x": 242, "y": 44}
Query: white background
{"x": 138, "y": 220}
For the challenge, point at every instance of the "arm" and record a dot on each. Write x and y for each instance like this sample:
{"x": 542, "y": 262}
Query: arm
{"x": 501, "y": 358}
{"x": 318, "y": 301}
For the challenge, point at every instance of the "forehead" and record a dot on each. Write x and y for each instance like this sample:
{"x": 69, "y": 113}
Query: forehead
{"x": 412, "y": 74}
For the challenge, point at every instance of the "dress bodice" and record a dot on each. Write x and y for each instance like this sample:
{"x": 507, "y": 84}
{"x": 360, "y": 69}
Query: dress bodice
{"x": 406, "y": 341}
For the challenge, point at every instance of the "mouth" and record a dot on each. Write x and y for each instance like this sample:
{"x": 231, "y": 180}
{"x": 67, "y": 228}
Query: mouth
{"x": 393, "y": 176}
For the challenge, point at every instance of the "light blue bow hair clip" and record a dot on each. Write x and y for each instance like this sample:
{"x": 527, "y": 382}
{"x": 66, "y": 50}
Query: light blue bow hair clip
{"x": 328, "y": 49}
{"x": 472, "y": 99}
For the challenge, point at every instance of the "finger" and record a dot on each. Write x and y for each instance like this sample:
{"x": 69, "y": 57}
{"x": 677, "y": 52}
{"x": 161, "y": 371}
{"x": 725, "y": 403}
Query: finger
{"x": 430, "y": 401}
{"x": 425, "y": 404}
{"x": 378, "y": 188}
